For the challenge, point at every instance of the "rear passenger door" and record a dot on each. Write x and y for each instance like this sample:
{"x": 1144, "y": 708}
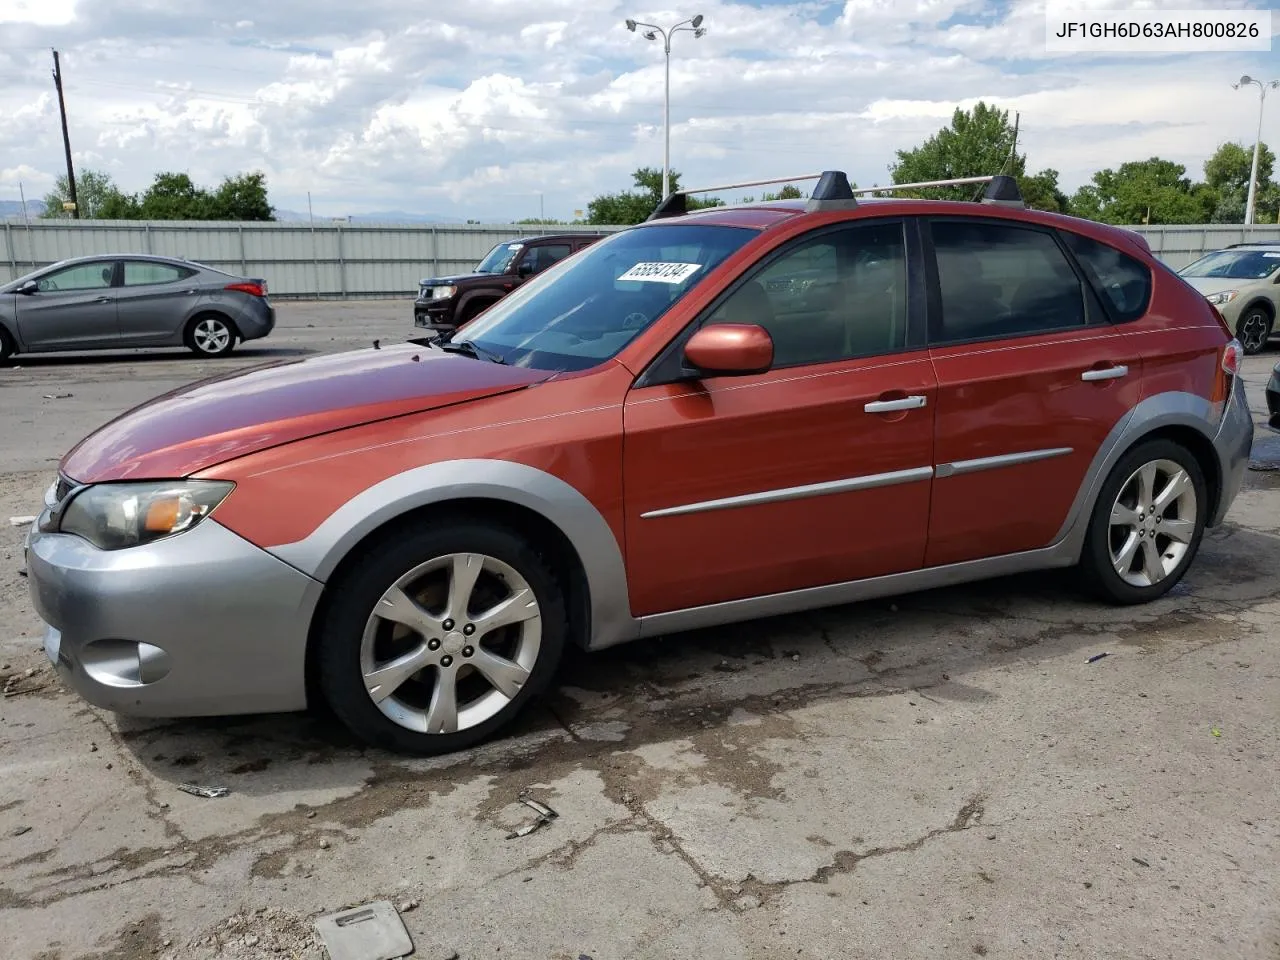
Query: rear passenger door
{"x": 1032, "y": 376}
{"x": 154, "y": 301}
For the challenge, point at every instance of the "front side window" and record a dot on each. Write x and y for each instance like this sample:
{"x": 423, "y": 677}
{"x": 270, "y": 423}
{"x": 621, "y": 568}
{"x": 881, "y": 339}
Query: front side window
{"x": 839, "y": 295}
{"x": 546, "y": 255}
{"x": 499, "y": 258}
{"x": 139, "y": 273}
{"x": 1002, "y": 281}
{"x": 86, "y": 276}
{"x": 592, "y": 305}
{"x": 1235, "y": 265}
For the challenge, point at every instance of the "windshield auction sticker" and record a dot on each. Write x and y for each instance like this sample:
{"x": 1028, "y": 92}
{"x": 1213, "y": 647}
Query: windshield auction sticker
{"x": 661, "y": 272}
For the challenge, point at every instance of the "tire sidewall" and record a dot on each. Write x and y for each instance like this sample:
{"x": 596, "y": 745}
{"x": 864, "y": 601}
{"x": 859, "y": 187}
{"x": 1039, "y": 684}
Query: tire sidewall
{"x": 7, "y": 346}
{"x": 191, "y": 335}
{"x": 356, "y": 593}
{"x": 1097, "y": 553}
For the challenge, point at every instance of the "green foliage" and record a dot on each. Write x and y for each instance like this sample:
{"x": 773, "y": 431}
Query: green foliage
{"x": 171, "y": 196}
{"x": 1143, "y": 191}
{"x": 95, "y": 192}
{"x": 635, "y": 206}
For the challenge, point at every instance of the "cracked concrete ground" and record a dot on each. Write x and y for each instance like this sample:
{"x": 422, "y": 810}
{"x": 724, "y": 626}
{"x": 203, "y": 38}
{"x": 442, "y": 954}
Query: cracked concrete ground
{"x": 936, "y": 774}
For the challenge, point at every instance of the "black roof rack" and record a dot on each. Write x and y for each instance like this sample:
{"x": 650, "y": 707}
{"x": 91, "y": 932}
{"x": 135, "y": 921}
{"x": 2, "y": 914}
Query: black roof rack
{"x": 834, "y": 192}
{"x": 1253, "y": 243}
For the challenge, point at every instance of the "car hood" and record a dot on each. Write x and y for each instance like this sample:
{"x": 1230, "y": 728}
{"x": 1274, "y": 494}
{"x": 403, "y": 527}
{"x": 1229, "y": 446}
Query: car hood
{"x": 457, "y": 278}
{"x": 1208, "y": 285}
{"x": 212, "y": 421}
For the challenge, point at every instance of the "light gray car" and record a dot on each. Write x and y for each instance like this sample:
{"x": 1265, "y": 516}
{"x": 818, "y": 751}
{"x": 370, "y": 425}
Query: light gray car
{"x": 131, "y": 300}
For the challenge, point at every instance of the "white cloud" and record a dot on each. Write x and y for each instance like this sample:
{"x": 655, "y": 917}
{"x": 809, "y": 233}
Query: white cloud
{"x": 476, "y": 109}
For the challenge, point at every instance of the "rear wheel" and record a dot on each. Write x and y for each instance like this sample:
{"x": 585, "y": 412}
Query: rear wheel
{"x": 1254, "y": 329}
{"x": 439, "y": 638}
{"x": 1147, "y": 523}
{"x": 210, "y": 335}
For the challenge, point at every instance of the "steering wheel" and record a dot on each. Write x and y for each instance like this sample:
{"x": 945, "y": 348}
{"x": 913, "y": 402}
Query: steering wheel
{"x": 634, "y": 319}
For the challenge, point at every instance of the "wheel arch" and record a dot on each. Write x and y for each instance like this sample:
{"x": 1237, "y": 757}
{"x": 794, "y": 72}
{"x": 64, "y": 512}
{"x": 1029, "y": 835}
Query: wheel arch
{"x": 485, "y": 299}
{"x": 1263, "y": 301}
{"x": 1183, "y": 417}
{"x": 559, "y": 519}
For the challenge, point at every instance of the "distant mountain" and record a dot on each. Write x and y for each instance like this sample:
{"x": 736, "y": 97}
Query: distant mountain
{"x": 378, "y": 216}
{"x": 12, "y": 209}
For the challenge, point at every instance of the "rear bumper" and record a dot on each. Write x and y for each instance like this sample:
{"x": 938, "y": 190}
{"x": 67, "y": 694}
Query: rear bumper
{"x": 1232, "y": 445}
{"x": 203, "y": 623}
{"x": 257, "y": 319}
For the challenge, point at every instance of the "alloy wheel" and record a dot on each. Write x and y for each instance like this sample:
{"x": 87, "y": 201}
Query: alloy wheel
{"x": 211, "y": 335}
{"x": 451, "y": 643}
{"x": 1255, "y": 329}
{"x": 1153, "y": 523}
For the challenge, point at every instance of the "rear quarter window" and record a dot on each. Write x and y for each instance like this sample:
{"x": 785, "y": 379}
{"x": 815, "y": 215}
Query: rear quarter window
{"x": 1123, "y": 282}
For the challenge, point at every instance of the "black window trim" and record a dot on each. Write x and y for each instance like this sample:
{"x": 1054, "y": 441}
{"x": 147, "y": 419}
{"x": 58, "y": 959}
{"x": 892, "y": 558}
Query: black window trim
{"x": 184, "y": 273}
{"x": 667, "y": 366}
{"x": 1095, "y": 314}
{"x": 1107, "y": 307}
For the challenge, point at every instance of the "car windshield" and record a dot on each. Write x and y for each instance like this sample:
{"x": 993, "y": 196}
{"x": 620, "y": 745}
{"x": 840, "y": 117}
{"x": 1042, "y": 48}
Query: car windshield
{"x": 1235, "y": 265}
{"x": 499, "y": 258}
{"x": 586, "y": 308}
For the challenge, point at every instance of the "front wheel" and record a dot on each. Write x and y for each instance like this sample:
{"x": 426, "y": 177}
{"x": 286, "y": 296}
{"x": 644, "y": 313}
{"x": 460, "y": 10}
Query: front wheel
{"x": 210, "y": 336}
{"x": 437, "y": 639}
{"x": 1254, "y": 330}
{"x": 1147, "y": 523}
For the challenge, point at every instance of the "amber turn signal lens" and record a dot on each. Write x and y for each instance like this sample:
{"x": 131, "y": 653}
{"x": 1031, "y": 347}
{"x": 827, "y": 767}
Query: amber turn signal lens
{"x": 162, "y": 515}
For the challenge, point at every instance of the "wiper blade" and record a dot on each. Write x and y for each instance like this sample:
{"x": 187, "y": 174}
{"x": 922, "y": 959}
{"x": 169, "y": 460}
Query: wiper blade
{"x": 468, "y": 348}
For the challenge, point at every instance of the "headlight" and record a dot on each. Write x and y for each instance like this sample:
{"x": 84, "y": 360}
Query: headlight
{"x": 112, "y": 516}
{"x": 1223, "y": 296}
{"x": 443, "y": 293}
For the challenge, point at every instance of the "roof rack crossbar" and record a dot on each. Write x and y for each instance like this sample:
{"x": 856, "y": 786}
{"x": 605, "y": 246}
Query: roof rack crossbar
{"x": 752, "y": 183}
{"x": 955, "y": 182}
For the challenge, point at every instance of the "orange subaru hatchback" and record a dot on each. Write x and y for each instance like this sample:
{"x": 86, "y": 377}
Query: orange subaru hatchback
{"x": 711, "y": 416}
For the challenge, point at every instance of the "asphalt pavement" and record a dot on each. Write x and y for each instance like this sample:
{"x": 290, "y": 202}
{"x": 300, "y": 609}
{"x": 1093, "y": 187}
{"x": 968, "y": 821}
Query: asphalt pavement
{"x": 950, "y": 773}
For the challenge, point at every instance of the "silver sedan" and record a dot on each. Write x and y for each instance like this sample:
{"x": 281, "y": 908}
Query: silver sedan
{"x": 121, "y": 301}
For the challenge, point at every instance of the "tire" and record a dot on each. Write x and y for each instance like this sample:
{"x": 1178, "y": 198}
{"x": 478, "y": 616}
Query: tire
{"x": 472, "y": 310}
{"x": 7, "y": 348}
{"x": 412, "y": 577}
{"x": 1124, "y": 499}
{"x": 210, "y": 335}
{"x": 1254, "y": 328}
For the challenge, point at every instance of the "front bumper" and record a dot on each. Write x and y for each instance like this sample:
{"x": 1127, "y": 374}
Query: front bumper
{"x": 434, "y": 314}
{"x": 1273, "y": 399}
{"x": 1232, "y": 445}
{"x": 202, "y": 623}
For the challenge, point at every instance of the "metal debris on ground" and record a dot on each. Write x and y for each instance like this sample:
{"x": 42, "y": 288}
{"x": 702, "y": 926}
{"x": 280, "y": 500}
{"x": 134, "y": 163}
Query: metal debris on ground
{"x": 208, "y": 793}
{"x": 58, "y": 396}
{"x": 545, "y": 816}
{"x": 373, "y": 931}
{"x": 22, "y": 521}
{"x": 1096, "y": 657}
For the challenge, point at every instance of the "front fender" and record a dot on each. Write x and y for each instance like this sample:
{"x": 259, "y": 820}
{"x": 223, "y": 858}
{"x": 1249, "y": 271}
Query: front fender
{"x": 319, "y": 554}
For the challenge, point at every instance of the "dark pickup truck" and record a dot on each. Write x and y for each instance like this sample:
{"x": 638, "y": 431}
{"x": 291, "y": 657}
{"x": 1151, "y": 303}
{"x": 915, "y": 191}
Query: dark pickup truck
{"x": 446, "y": 303}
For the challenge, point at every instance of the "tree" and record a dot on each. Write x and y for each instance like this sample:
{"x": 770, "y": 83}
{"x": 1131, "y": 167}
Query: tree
{"x": 788, "y": 192}
{"x": 978, "y": 143}
{"x": 1226, "y": 176}
{"x": 634, "y": 207}
{"x": 1142, "y": 191}
{"x": 242, "y": 198}
{"x": 94, "y": 190}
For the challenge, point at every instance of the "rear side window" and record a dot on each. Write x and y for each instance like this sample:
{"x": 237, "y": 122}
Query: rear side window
{"x": 998, "y": 280}
{"x": 141, "y": 273}
{"x": 1123, "y": 282}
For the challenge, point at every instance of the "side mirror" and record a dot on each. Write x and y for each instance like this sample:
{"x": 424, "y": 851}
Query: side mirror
{"x": 525, "y": 269}
{"x": 730, "y": 349}
{"x": 30, "y": 287}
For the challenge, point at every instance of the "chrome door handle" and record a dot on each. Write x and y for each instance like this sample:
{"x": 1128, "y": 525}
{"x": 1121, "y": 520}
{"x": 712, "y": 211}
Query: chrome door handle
{"x": 102, "y": 300}
{"x": 1111, "y": 373}
{"x": 189, "y": 292}
{"x": 889, "y": 406}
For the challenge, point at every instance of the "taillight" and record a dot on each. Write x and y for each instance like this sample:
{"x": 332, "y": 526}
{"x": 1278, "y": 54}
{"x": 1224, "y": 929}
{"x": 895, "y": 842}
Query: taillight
{"x": 252, "y": 289}
{"x": 1232, "y": 357}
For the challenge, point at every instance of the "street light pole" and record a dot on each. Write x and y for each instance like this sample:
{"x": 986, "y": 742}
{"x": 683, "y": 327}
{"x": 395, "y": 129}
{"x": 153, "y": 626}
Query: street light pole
{"x": 1262, "y": 86}
{"x": 694, "y": 26}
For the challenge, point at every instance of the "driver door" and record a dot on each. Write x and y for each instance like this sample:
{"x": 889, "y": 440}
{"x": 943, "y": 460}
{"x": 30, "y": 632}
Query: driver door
{"x": 73, "y": 308}
{"x": 816, "y": 472}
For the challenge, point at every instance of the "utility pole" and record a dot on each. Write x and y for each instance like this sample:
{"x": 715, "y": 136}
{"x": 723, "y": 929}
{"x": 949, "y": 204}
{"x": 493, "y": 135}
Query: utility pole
{"x": 66, "y": 138}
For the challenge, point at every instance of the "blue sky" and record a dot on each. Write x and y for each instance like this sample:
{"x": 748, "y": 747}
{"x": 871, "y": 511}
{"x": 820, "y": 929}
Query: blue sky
{"x": 499, "y": 108}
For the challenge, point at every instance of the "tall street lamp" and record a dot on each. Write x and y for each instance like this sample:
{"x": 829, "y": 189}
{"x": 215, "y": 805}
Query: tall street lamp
{"x": 653, "y": 31}
{"x": 1262, "y": 86}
